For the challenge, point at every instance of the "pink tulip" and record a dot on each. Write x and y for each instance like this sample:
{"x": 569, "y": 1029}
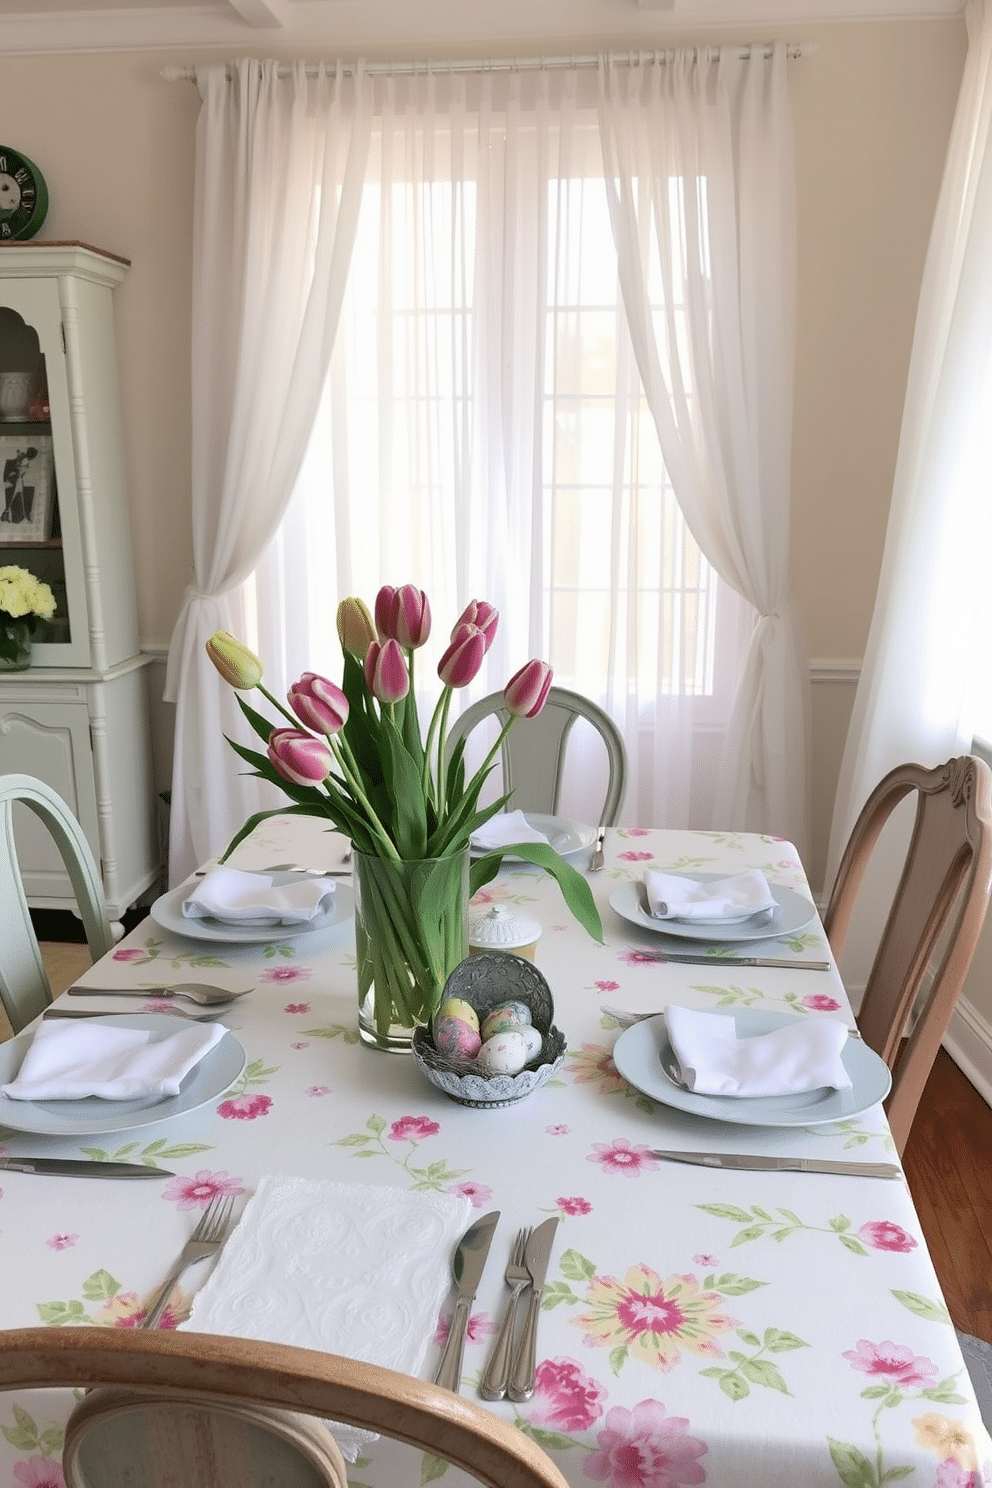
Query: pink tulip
{"x": 383, "y": 612}
{"x": 299, "y": 757}
{"x": 527, "y": 690}
{"x": 410, "y": 617}
{"x": 463, "y": 658}
{"x": 386, "y": 675}
{"x": 319, "y": 704}
{"x": 481, "y": 614}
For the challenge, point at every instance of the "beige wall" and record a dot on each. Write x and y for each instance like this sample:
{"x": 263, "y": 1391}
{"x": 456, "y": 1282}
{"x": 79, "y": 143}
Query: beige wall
{"x": 872, "y": 114}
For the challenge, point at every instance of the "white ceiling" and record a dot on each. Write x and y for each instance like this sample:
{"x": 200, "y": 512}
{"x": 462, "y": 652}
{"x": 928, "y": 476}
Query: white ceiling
{"x": 445, "y": 25}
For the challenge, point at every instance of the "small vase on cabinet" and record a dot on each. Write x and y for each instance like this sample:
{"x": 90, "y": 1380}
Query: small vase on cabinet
{"x": 15, "y": 644}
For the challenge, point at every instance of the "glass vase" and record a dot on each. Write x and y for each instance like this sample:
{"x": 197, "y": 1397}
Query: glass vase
{"x": 411, "y": 931}
{"x": 15, "y": 644}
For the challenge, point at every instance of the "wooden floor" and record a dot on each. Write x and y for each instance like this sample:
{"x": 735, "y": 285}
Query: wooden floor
{"x": 948, "y": 1163}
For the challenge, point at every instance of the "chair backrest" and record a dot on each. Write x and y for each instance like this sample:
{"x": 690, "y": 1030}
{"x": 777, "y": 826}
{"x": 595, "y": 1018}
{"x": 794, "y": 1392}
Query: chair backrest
{"x": 933, "y": 925}
{"x": 24, "y": 986}
{"x": 533, "y": 752}
{"x": 273, "y": 1390}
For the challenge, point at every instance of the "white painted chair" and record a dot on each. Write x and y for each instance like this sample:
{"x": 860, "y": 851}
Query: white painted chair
{"x": 196, "y": 1410}
{"x": 533, "y": 753}
{"x": 24, "y": 985}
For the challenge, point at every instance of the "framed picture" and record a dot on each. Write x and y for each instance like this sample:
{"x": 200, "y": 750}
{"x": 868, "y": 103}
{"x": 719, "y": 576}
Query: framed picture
{"x": 27, "y": 467}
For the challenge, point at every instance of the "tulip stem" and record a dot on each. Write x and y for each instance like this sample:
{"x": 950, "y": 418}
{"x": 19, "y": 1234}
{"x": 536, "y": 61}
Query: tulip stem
{"x": 278, "y": 705}
{"x": 352, "y": 774}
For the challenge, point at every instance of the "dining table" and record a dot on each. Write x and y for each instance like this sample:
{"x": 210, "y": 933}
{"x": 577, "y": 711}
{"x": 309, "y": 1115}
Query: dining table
{"x": 698, "y": 1324}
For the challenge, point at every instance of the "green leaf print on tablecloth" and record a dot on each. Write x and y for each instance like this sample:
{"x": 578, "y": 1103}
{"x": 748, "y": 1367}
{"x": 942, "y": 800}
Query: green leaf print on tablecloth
{"x": 117, "y": 1309}
{"x": 152, "y": 1155}
{"x": 26, "y": 1436}
{"x": 923, "y": 1307}
{"x": 410, "y": 1130}
{"x": 759, "y": 1224}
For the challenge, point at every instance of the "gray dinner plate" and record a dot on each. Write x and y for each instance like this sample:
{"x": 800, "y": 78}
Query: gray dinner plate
{"x": 643, "y": 1056}
{"x": 167, "y": 911}
{"x": 565, "y": 836}
{"x": 793, "y": 912}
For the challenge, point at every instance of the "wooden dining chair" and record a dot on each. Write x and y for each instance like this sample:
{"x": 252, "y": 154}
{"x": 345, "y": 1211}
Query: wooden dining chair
{"x": 932, "y": 928}
{"x": 24, "y": 985}
{"x": 195, "y": 1410}
{"x": 533, "y": 752}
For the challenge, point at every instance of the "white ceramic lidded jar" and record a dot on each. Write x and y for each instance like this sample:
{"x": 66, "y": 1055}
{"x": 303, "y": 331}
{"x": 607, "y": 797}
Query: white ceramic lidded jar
{"x": 500, "y": 928}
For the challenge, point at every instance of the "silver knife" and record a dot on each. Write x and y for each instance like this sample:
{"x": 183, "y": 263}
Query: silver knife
{"x": 597, "y": 856}
{"x": 536, "y": 1258}
{"x": 696, "y": 960}
{"x": 467, "y": 1267}
{"x": 73, "y": 1167}
{"x": 170, "y": 1012}
{"x": 782, "y": 1164}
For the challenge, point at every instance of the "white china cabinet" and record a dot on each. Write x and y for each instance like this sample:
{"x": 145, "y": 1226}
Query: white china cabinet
{"x": 78, "y": 716}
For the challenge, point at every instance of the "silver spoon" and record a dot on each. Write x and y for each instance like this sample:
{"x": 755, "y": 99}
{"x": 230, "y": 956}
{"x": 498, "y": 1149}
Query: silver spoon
{"x": 192, "y": 991}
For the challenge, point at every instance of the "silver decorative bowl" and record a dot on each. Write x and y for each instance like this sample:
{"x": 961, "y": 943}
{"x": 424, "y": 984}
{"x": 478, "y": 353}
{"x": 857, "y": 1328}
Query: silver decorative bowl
{"x": 484, "y": 980}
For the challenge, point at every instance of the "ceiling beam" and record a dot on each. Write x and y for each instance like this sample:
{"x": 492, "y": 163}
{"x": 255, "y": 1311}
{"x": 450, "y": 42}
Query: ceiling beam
{"x": 262, "y": 13}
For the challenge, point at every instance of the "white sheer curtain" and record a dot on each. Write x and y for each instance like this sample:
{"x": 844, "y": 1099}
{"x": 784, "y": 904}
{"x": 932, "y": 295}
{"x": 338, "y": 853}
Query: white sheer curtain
{"x": 930, "y": 627}
{"x": 280, "y": 163}
{"x": 700, "y": 172}
{"x": 485, "y": 433}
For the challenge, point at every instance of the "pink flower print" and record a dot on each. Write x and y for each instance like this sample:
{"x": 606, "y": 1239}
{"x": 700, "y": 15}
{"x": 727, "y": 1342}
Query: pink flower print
{"x": 635, "y": 857}
{"x": 819, "y": 1002}
{"x": 607, "y": 986}
{"x": 196, "y": 1192}
{"x": 706, "y": 1260}
{"x": 317, "y": 1090}
{"x": 574, "y": 1206}
{"x": 39, "y": 1472}
{"x": 412, "y": 1129}
{"x": 565, "y": 1397}
{"x": 61, "y": 1242}
{"x": 638, "y": 958}
{"x": 245, "y": 1107}
{"x": 644, "y": 1448}
{"x": 561, "y": 1130}
{"x": 884, "y": 1234}
{"x": 893, "y": 1362}
{"x": 951, "y": 1474}
{"x": 125, "y": 954}
{"x": 297, "y": 1007}
{"x": 301, "y": 1044}
{"x": 125, "y": 1310}
{"x": 477, "y": 1192}
{"x": 621, "y": 1156}
{"x": 480, "y": 1326}
{"x": 637, "y": 832}
{"x": 286, "y": 974}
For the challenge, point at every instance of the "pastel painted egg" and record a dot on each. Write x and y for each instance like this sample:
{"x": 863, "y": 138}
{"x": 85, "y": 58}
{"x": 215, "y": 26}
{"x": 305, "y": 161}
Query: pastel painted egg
{"x": 456, "y": 1038}
{"x": 532, "y": 1037}
{"x": 508, "y": 1015}
{"x": 457, "y": 1007}
{"x": 503, "y": 1054}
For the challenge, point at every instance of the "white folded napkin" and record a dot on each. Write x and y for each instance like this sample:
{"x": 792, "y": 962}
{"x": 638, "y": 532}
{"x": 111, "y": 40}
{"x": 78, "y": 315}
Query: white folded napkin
{"x": 714, "y": 1061}
{"x": 504, "y": 829}
{"x": 672, "y": 897}
{"x": 234, "y": 895}
{"x": 338, "y": 1267}
{"x": 73, "y": 1061}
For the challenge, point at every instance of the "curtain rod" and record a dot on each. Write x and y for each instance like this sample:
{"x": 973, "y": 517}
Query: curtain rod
{"x": 794, "y": 49}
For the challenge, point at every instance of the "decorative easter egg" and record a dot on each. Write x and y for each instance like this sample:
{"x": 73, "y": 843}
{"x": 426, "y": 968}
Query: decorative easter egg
{"x": 534, "y": 1040}
{"x": 457, "y": 1007}
{"x": 506, "y": 1016}
{"x": 503, "y": 1054}
{"x": 456, "y": 1038}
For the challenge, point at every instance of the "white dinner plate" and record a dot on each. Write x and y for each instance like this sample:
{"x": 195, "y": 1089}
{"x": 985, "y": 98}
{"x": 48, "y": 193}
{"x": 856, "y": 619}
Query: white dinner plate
{"x": 167, "y": 911}
{"x": 642, "y": 1052}
{"x": 794, "y": 911}
{"x": 564, "y": 835}
{"x": 214, "y": 1074}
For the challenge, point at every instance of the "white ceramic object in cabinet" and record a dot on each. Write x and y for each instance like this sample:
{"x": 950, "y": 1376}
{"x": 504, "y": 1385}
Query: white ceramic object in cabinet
{"x": 78, "y": 717}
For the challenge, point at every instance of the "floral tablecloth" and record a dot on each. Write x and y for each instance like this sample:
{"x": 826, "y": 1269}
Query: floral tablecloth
{"x": 699, "y": 1326}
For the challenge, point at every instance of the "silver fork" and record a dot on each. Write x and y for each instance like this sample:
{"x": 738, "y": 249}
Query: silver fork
{"x": 206, "y": 1240}
{"x": 517, "y": 1277}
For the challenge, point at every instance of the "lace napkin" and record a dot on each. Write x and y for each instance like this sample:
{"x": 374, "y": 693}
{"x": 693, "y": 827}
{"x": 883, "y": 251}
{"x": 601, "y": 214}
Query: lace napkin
{"x": 504, "y": 829}
{"x": 337, "y": 1267}
{"x": 671, "y": 897}
{"x": 713, "y": 1060}
{"x": 73, "y": 1061}
{"x": 232, "y": 894}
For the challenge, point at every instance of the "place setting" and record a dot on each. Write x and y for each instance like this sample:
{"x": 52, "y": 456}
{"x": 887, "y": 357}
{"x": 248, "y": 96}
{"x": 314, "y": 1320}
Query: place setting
{"x": 238, "y": 906}
{"x": 567, "y": 837}
{"x": 722, "y": 911}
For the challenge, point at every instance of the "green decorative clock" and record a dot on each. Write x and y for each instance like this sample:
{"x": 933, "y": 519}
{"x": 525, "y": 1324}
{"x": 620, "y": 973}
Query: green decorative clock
{"x": 23, "y": 196}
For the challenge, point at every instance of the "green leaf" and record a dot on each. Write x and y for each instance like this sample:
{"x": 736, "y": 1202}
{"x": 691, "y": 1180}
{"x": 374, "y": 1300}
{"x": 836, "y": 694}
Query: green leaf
{"x": 893, "y": 1474}
{"x": 618, "y": 1358}
{"x": 24, "y": 1435}
{"x": 853, "y": 1467}
{"x": 778, "y": 1341}
{"x": 574, "y": 887}
{"x": 551, "y": 1441}
{"x": 432, "y": 1468}
{"x": 839, "y": 1222}
{"x": 751, "y": 1339}
{"x": 855, "y": 1246}
{"x": 726, "y": 1211}
{"x": 737, "y": 1286}
{"x": 734, "y": 1386}
{"x": 100, "y": 1287}
{"x": 51, "y": 1442}
{"x": 58, "y": 1314}
{"x": 764, "y": 1372}
{"x": 575, "y": 1266}
{"x": 923, "y": 1307}
{"x": 753, "y": 1232}
{"x": 557, "y": 1292}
